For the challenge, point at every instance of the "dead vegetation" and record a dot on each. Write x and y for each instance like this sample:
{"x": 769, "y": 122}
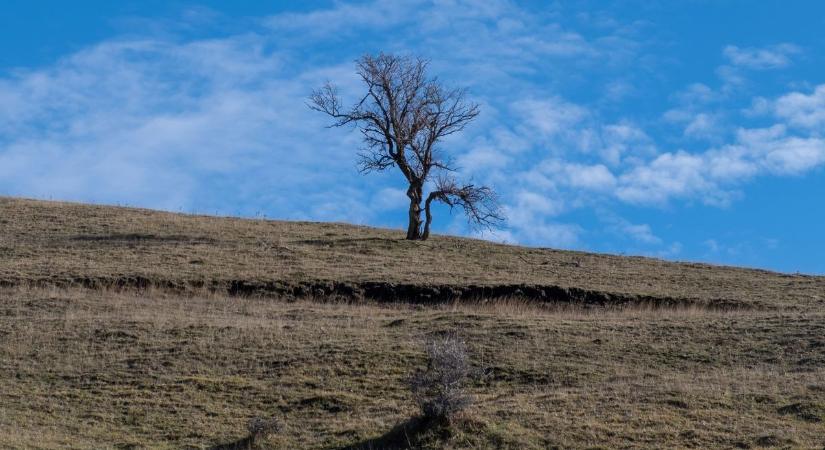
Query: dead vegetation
{"x": 440, "y": 389}
{"x": 403, "y": 116}
{"x": 97, "y": 369}
{"x": 178, "y": 363}
{"x": 51, "y": 243}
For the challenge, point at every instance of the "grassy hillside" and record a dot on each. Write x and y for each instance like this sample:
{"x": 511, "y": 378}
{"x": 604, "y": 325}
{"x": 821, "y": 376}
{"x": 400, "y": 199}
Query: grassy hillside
{"x": 182, "y": 364}
{"x": 63, "y": 242}
{"x": 92, "y": 369}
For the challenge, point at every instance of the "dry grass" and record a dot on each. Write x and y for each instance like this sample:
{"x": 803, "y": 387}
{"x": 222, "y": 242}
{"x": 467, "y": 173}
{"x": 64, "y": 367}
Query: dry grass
{"x": 97, "y": 368}
{"x": 94, "y": 369}
{"x": 52, "y": 242}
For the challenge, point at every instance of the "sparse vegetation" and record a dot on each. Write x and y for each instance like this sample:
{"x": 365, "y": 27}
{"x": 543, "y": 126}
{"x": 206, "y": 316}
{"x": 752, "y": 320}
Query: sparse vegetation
{"x": 96, "y": 369}
{"x": 260, "y": 428}
{"x": 175, "y": 364}
{"x": 51, "y": 243}
{"x": 440, "y": 388}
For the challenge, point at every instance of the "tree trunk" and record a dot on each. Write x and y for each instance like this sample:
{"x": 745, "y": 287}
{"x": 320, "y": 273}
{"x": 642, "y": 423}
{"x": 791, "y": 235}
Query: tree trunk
{"x": 414, "y": 227}
{"x": 428, "y": 217}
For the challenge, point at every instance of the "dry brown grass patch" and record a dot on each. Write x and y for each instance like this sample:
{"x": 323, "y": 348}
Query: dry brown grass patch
{"x": 92, "y": 369}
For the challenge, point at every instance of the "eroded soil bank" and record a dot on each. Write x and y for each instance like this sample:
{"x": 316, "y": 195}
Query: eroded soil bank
{"x": 379, "y": 291}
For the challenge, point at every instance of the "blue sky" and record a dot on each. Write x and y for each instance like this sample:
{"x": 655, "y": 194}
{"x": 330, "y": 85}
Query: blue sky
{"x": 687, "y": 130}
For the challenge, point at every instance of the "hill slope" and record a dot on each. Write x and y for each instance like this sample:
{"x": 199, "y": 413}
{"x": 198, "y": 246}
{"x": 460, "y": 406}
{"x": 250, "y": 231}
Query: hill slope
{"x": 62, "y": 243}
{"x": 103, "y": 368}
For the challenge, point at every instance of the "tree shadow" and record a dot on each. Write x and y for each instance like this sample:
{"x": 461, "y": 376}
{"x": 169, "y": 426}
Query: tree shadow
{"x": 349, "y": 241}
{"x": 240, "y": 444}
{"x": 405, "y": 435}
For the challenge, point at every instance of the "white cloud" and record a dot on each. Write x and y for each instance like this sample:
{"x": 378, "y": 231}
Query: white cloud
{"x": 344, "y": 18}
{"x": 592, "y": 177}
{"x": 803, "y": 110}
{"x": 500, "y": 236}
{"x": 772, "y": 57}
{"x": 549, "y": 117}
{"x": 777, "y": 153}
{"x": 596, "y": 177}
{"x": 550, "y": 234}
{"x": 730, "y": 164}
{"x": 759, "y": 106}
{"x": 732, "y": 78}
{"x": 793, "y": 155}
{"x": 624, "y": 140}
{"x": 641, "y": 233}
{"x": 677, "y": 115}
{"x": 709, "y": 175}
{"x": 390, "y": 198}
{"x": 166, "y": 124}
{"x": 528, "y": 221}
{"x": 530, "y": 205}
{"x": 740, "y": 60}
{"x": 637, "y": 232}
{"x": 677, "y": 174}
{"x": 698, "y": 94}
{"x": 702, "y": 125}
{"x": 483, "y": 158}
{"x": 694, "y": 112}
{"x": 757, "y": 136}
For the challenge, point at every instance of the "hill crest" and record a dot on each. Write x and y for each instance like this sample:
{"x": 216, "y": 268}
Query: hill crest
{"x": 68, "y": 243}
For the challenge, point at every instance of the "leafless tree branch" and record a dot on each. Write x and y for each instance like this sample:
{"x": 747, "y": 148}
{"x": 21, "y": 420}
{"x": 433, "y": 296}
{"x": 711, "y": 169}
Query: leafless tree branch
{"x": 479, "y": 203}
{"x": 402, "y": 117}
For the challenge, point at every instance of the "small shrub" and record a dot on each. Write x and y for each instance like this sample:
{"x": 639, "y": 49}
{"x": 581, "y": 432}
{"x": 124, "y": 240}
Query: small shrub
{"x": 260, "y": 428}
{"x": 440, "y": 389}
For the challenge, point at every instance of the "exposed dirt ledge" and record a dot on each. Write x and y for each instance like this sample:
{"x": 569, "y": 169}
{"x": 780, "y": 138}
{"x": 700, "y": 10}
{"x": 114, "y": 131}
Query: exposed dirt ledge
{"x": 392, "y": 292}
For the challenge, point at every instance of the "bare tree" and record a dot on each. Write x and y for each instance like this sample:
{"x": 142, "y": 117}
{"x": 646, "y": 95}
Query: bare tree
{"x": 402, "y": 118}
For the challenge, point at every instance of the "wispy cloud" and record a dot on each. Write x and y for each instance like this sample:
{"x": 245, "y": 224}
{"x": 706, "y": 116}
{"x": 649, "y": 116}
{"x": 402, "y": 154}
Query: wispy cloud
{"x": 641, "y": 233}
{"x": 221, "y": 123}
{"x": 772, "y": 57}
{"x": 710, "y": 175}
{"x": 164, "y": 124}
{"x": 803, "y": 110}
